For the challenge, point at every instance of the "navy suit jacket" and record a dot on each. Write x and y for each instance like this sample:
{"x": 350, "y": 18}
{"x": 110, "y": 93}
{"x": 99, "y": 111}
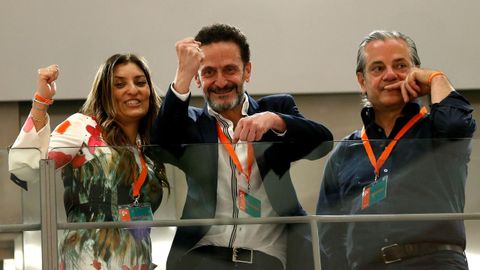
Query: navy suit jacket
{"x": 190, "y": 137}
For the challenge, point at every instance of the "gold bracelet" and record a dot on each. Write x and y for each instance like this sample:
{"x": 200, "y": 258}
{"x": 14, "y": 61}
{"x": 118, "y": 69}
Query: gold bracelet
{"x": 38, "y": 108}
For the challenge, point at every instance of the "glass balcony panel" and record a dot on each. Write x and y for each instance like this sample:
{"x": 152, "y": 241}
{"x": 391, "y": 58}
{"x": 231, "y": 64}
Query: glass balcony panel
{"x": 407, "y": 201}
{"x": 20, "y": 215}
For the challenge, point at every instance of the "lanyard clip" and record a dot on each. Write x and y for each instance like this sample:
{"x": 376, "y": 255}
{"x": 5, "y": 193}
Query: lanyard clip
{"x": 136, "y": 202}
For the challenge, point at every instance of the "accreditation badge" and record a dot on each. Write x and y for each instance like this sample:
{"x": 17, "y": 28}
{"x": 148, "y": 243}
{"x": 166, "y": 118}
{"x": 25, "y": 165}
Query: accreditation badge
{"x": 135, "y": 212}
{"x": 374, "y": 192}
{"x": 249, "y": 204}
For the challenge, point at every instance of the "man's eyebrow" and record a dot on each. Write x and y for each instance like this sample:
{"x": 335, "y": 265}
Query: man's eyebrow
{"x": 400, "y": 59}
{"x": 376, "y": 63}
{"x": 231, "y": 66}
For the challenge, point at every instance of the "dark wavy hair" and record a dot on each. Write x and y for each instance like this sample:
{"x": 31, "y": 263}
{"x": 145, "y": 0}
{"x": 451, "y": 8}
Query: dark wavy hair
{"x": 225, "y": 33}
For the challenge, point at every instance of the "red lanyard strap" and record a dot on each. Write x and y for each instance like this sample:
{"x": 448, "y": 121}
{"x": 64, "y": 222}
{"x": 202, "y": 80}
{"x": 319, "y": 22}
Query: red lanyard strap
{"x": 388, "y": 150}
{"x": 137, "y": 185}
{"x": 231, "y": 152}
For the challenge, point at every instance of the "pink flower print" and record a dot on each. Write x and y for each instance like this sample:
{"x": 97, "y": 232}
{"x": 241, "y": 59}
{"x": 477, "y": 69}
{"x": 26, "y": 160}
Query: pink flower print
{"x": 78, "y": 161}
{"x": 97, "y": 265}
{"x": 28, "y": 124}
{"x": 62, "y": 265}
{"x": 95, "y": 139}
{"x": 60, "y": 158}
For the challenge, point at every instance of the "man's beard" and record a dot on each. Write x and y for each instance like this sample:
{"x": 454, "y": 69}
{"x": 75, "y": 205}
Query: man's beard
{"x": 221, "y": 107}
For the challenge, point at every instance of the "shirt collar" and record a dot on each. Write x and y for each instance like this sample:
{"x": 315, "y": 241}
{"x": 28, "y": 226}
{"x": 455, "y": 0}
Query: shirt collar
{"x": 368, "y": 118}
{"x": 409, "y": 110}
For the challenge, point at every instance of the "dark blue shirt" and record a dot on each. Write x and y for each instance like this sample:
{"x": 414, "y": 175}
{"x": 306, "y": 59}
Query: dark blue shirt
{"x": 426, "y": 173}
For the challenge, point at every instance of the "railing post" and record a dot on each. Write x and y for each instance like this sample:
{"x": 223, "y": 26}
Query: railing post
{"x": 48, "y": 214}
{"x": 315, "y": 244}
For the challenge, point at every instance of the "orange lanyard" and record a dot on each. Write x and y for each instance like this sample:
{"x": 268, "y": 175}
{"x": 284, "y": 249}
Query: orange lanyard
{"x": 231, "y": 152}
{"x": 388, "y": 150}
{"x": 137, "y": 185}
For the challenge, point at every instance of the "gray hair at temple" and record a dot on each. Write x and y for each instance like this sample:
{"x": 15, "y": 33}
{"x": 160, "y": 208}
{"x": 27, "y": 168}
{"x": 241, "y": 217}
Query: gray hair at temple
{"x": 384, "y": 35}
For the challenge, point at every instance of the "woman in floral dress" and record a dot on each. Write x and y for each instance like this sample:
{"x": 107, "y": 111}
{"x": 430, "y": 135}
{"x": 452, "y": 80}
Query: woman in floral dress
{"x": 105, "y": 170}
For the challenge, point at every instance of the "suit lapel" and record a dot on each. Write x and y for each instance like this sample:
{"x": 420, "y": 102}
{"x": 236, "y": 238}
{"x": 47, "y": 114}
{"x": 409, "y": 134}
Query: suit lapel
{"x": 206, "y": 125}
{"x": 253, "y": 107}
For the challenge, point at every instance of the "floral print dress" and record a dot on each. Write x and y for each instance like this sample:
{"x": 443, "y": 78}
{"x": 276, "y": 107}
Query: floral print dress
{"x": 95, "y": 186}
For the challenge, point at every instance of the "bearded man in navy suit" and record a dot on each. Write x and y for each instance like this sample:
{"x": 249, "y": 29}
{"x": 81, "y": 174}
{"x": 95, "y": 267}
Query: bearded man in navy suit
{"x": 226, "y": 172}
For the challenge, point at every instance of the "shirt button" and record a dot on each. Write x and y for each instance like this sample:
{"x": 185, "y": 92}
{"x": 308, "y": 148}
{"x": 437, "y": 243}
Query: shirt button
{"x": 385, "y": 240}
{"x": 385, "y": 170}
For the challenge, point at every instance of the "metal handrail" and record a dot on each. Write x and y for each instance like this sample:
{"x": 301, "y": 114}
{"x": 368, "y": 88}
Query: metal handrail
{"x": 16, "y": 228}
{"x": 271, "y": 220}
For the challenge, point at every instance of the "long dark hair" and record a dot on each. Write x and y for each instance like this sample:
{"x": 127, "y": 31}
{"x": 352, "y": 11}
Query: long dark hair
{"x": 100, "y": 104}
